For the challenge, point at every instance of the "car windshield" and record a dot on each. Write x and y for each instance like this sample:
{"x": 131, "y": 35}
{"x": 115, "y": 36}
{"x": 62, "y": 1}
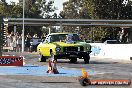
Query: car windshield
{"x": 62, "y": 37}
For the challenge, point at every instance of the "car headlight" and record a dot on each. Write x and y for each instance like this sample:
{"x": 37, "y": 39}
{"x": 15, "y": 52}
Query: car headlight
{"x": 88, "y": 47}
{"x": 58, "y": 49}
{"x": 78, "y": 48}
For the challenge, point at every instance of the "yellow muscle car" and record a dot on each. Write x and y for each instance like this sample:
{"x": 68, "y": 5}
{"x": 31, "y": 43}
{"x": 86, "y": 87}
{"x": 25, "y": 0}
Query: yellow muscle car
{"x": 64, "y": 46}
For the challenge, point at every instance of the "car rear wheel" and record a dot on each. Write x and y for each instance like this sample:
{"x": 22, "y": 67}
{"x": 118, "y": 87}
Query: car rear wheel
{"x": 73, "y": 60}
{"x": 42, "y": 58}
{"x": 86, "y": 59}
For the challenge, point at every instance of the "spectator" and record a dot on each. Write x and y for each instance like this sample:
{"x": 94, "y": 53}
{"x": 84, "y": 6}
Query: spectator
{"x": 27, "y": 41}
{"x": 14, "y": 42}
{"x": 8, "y": 40}
{"x": 11, "y": 39}
{"x": 19, "y": 42}
{"x": 35, "y": 36}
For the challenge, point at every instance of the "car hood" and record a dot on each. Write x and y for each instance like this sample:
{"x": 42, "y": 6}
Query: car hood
{"x": 63, "y": 44}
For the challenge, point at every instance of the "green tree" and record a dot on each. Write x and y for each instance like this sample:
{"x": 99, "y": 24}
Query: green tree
{"x": 81, "y": 9}
{"x": 98, "y": 9}
{"x": 113, "y": 9}
{"x": 33, "y": 9}
{"x": 46, "y": 8}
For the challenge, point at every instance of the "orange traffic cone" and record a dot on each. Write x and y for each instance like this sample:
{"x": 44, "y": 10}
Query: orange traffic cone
{"x": 84, "y": 79}
{"x": 84, "y": 74}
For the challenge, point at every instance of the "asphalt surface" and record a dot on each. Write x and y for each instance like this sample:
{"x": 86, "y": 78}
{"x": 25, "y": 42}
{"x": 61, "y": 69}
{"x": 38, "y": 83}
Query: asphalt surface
{"x": 104, "y": 69}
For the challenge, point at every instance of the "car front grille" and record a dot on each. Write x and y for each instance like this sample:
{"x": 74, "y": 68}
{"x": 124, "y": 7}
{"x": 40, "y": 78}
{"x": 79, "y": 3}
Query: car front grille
{"x": 73, "y": 48}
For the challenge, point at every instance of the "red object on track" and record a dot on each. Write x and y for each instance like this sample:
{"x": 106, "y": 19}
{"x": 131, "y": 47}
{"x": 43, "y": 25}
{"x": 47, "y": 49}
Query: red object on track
{"x": 86, "y": 81}
{"x": 52, "y": 69}
{"x": 11, "y": 61}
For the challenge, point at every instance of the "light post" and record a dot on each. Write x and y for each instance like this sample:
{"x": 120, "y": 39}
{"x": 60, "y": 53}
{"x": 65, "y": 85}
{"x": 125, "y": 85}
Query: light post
{"x": 23, "y": 28}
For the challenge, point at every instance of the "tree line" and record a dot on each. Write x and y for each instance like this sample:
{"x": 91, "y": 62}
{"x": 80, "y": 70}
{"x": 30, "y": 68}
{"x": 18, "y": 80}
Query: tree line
{"x": 33, "y": 9}
{"x": 74, "y": 9}
{"x": 99, "y": 9}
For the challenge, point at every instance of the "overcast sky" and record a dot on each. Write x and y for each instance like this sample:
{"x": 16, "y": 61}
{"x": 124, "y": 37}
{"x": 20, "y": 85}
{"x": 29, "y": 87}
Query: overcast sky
{"x": 57, "y": 3}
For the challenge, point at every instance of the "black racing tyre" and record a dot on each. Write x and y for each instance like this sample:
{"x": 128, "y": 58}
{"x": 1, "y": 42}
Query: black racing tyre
{"x": 84, "y": 81}
{"x": 86, "y": 59}
{"x": 73, "y": 60}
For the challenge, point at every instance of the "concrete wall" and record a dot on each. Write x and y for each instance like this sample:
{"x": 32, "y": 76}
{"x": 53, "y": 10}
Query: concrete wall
{"x": 114, "y": 51}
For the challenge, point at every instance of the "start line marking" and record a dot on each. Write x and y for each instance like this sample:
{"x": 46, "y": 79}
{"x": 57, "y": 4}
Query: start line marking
{"x": 40, "y": 71}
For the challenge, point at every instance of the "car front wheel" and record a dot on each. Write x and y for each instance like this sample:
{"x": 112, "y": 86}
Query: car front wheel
{"x": 86, "y": 59}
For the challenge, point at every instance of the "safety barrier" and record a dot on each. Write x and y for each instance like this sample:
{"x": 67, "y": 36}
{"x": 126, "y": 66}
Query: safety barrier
{"x": 113, "y": 51}
{"x": 11, "y": 61}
